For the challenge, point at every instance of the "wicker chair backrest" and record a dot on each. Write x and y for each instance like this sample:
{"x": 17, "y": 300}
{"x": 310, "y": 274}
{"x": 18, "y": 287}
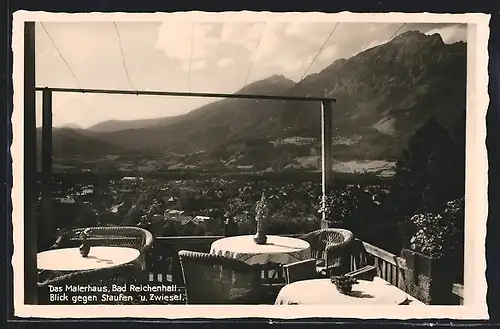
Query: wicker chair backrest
{"x": 321, "y": 239}
{"x": 213, "y": 279}
{"x": 112, "y": 236}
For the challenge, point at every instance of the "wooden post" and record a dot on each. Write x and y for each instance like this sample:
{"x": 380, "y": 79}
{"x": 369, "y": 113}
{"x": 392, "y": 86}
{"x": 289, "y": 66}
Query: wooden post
{"x": 326, "y": 154}
{"x": 48, "y": 223}
{"x": 30, "y": 179}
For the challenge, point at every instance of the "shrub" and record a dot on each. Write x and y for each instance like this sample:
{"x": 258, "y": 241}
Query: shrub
{"x": 438, "y": 235}
{"x": 340, "y": 205}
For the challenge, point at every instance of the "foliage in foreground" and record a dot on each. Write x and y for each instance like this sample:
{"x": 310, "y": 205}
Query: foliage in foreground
{"x": 438, "y": 235}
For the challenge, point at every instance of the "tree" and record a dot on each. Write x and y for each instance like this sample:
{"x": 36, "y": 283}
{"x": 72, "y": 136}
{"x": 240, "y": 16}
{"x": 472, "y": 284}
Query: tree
{"x": 413, "y": 171}
{"x": 341, "y": 205}
{"x": 134, "y": 214}
{"x": 430, "y": 173}
{"x": 187, "y": 200}
{"x": 85, "y": 215}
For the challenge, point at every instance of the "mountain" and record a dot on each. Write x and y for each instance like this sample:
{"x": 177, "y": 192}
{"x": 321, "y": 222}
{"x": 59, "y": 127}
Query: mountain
{"x": 387, "y": 92}
{"x": 117, "y": 125}
{"x": 71, "y": 126}
{"x": 392, "y": 87}
{"x": 384, "y": 94}
{"x": 210, "y": 125}
{"x": 67, "y": 142}
{"x": 272, "y": 85}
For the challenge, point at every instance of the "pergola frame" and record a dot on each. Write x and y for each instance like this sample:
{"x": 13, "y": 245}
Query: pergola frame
{"x": 30, "y": 150}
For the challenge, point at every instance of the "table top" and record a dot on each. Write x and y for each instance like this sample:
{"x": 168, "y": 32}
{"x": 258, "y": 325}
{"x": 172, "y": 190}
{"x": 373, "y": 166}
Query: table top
{"x": 274, "y": 244}
{"x": 277, "y": 250}
{"x": 322, "y": 291}
{"x": 69, "y": 259}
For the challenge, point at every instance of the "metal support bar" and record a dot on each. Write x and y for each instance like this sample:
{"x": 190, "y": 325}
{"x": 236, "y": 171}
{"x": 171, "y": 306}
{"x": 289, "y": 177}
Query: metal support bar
{"x": 30, "y": 183}
{"x": 48, "y": 225}
{"x": 185, "y": 94}
{"x": 326, "y": 154}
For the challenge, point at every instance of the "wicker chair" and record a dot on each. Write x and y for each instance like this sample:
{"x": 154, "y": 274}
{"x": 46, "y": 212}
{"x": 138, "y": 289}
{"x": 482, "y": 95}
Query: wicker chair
{"x": 98, "y": 278}
{"x": 329, "y": 247}
{"x": 111, "y": 236}
{"x": 214, "y": 279}
{"x": 298, "y": 271}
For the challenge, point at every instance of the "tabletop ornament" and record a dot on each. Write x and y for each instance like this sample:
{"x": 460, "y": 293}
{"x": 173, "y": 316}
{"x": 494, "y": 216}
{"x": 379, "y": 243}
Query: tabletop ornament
{"x": 261, "y": 217}
{"x": 343, "y": 283}
{"x": 85, "y": 246}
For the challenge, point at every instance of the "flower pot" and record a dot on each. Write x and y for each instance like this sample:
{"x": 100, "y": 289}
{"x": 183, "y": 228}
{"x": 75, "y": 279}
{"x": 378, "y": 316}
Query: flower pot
{"x": 260, "y": 238}
{"x": 261, "y": 218}
{"x": 344, "y": 289}
{"x": 84, "y": 249}
{"x": 429, "y": 279}
{"x": 343, "y": 283}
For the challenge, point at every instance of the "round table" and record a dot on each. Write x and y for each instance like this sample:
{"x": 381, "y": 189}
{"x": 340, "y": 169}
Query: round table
{"x": 323, "y": 292}
{"x": 277, "y": 250}
{"x": 69, "y": 259}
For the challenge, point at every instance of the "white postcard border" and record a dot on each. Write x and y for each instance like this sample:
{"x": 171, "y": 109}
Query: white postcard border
{"x": 475, "y": 286}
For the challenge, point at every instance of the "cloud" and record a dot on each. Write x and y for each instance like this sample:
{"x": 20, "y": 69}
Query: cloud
{"x": 195, "y": 65}
{"x": 289, "y": 48}
{"x": 202, "y": 41}
{"x": 242, "y": 34}
{"x": 451, "y": 34}
{"x": 283, "y": 47}
{"x": 186, "y": 41}
{"x": 328, "y": 53}
{"x": 226, "y": 61}
{"x": 313, "y": 33}
{"x": 374, "y": 43}
{"x": 158, "y": 56}
{"x": 268, "y": 44}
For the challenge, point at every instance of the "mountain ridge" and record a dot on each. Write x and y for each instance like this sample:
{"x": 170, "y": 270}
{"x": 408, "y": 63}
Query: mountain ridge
{"x": 383, "y": 95}
{"x": 117, "y": 125}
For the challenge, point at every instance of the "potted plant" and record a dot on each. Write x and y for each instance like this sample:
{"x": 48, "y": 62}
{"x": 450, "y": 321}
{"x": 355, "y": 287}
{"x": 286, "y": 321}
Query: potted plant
{"x": 344, "y": 283}
{"x": 261, "y": 216}
{"x": 431, "y": 257}
{"x": 85, "y": 246}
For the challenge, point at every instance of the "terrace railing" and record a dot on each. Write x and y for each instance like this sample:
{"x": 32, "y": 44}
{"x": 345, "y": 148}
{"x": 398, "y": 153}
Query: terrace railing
{"x": 163, "y": 262}
{"x": 389, "y": 267}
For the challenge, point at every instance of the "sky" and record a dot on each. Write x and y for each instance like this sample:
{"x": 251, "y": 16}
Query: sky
{"x": 218, "y": 57}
